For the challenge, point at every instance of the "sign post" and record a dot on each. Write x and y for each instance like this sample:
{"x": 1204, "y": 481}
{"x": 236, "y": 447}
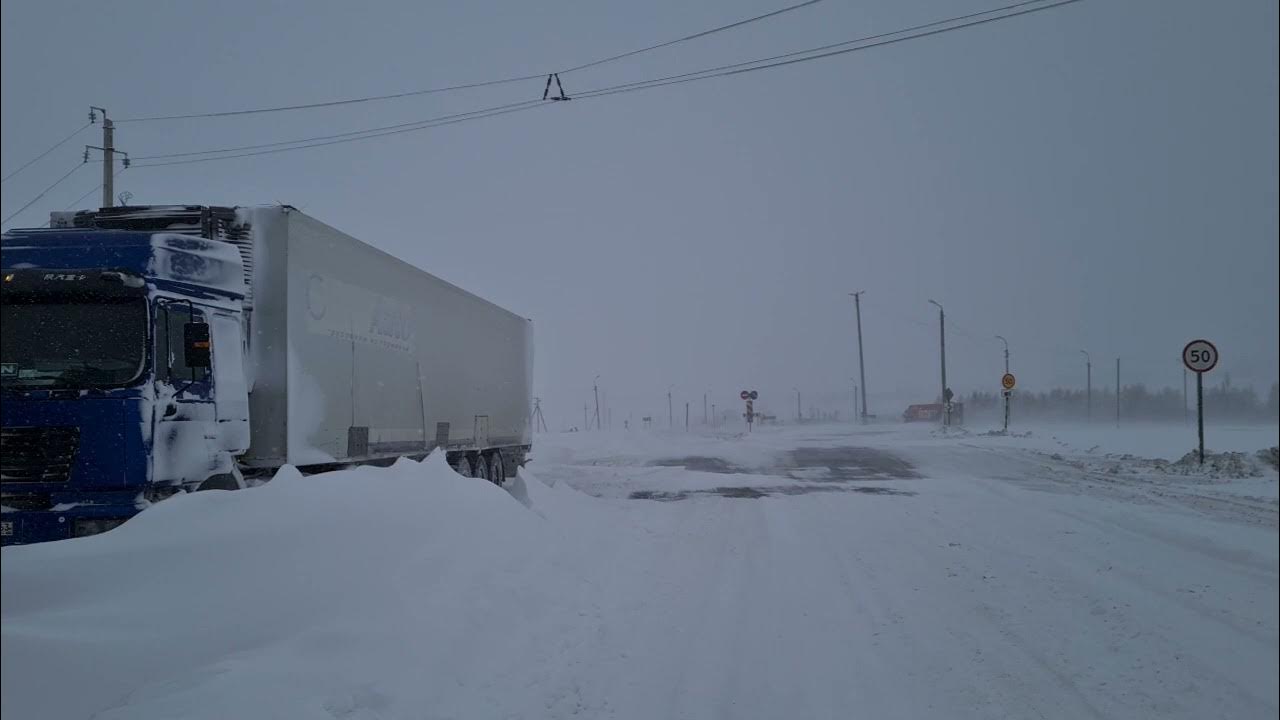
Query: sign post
{"x": 1200, "y": 356}
{"x": 1007, "y": 381}
{"x": 749, "y": 397}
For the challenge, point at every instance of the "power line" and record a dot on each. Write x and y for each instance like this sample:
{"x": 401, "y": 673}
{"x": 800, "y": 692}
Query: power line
{"x": 33, "y": 200}
{"x": 334, "y": 103}
{"x": 78, "y": 200}
{"x": 56, "y": 145}
{"x": 694, "y": 36}
{"x": 469, "y": 86}
{"x": 425, "y": 125}
{"x": 911, "y": 33}
{"x": 410, "y": 125}
{"x": 916, "y": 32}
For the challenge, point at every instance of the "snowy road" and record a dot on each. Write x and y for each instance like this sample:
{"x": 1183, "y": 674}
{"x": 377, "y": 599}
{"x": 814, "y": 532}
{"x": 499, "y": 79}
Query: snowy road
{"x": 827, "y": 572}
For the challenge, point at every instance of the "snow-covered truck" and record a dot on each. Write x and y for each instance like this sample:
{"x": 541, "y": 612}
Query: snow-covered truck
{"x": 153, "y": 350}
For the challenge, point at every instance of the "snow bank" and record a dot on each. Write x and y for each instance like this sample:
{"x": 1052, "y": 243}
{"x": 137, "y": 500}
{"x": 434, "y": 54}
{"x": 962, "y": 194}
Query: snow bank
{"x": 350, "y": 594}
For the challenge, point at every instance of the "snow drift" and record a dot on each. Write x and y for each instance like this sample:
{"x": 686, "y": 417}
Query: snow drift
{"x": 305, "y": 597}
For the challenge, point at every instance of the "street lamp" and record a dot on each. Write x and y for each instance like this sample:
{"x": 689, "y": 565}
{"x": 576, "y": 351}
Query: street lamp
{"x": 942, "y": 336}
{"x": 1088, "y": 384}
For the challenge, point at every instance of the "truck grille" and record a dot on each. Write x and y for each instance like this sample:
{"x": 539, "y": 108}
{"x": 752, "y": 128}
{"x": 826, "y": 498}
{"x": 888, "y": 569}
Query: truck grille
{"x": 37, "y": 454}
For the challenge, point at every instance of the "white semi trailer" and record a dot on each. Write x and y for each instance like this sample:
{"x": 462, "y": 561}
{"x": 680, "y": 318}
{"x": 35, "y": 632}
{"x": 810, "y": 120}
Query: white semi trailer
{"x": 324, "y": 352}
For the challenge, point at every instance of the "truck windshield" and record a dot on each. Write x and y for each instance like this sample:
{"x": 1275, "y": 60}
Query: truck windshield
{"x": 75, "y": 344}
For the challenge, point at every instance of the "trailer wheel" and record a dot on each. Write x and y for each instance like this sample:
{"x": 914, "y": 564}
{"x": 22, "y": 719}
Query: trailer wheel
{"x": 480, "y": 464}
{"x": 497, "y": 470}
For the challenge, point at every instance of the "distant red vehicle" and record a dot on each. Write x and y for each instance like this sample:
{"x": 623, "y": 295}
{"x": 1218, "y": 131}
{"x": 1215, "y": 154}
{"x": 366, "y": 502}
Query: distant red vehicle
{"x": 931, "y": 412}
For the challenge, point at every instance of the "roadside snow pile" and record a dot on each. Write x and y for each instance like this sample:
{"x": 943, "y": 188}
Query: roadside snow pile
{"x": 1270, "y": 457}
{"x": 363, "y": 593}
{"x": 1004, "y": 433}
{"x": 1216, "y": 465}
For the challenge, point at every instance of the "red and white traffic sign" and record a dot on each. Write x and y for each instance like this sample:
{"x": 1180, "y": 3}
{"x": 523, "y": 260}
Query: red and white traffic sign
{"x": 745, "y": 395}
{"x": 1200, "y": 356}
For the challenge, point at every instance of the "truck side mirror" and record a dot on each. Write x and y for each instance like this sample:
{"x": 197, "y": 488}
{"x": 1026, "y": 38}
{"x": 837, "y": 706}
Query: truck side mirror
{"x": 195, "y": 341}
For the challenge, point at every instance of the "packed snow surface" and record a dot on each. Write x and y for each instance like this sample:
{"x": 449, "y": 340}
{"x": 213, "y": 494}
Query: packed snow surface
{"x": 800, "y": 572}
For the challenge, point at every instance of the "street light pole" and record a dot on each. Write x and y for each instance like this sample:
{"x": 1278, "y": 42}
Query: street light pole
{"x": 862, "y": 375}
{"x": 799, "y": 414}
{"x": 671, "y": 422}
{"x": 704, "y": 408}
{"x": 1006, "y": 352}
{"x": 942, "y": 338}
{"x": 1088, "y": 385}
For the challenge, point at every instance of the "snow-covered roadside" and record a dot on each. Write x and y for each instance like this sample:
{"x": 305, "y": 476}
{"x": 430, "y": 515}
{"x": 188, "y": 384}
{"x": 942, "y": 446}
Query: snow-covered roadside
{"x": 408, "y": 592}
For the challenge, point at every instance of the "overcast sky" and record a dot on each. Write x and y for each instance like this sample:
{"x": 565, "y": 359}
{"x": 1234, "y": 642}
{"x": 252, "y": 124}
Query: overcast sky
{"x": 1099, "y": 176}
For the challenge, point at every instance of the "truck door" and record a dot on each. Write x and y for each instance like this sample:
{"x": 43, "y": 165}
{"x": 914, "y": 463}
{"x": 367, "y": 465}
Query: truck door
{"x": 184, "y": 438}
{"x": 231, "y": 400}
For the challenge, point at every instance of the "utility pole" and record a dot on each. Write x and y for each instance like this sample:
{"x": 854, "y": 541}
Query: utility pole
{"x": 1186, "y": 414}
{"x": 862, "y": 375}
{"x": 595, "y": 387}
{"x": 799, "y": 415}
{"x": 1006, "y": 372}
{"x": 1088, "y": 385}
{"x": 671, "y": 423}
{"x": 942, "y": 337}
{"x": 1117, "y": 392}
{"x": 686, "y": 417}
{"x": 713, "y": 415}
{"x": 108, "y": 149}
{"x": 539, "y": 423}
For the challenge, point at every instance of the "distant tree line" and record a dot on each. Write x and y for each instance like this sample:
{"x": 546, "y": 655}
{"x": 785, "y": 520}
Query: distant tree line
{"x": 1137, "y": 402}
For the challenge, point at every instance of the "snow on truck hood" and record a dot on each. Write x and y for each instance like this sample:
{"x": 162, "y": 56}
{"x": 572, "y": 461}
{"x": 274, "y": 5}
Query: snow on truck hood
{"x": 185, "y": 258}
{"x": 170, "y": 257}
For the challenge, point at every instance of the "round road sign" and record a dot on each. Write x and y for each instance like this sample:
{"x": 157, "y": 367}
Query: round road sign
{"x": 1008, "y": 381}
{"x": 745, "y": 395}
{"x": 754, "y": 395}
{"x": 1200, "y": 356}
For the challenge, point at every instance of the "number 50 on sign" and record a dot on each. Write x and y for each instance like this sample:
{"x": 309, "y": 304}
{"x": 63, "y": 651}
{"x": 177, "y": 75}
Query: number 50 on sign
{"x": 1200, "y": 356}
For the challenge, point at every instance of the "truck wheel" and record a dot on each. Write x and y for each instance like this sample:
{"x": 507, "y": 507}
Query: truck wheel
{"x": 497, "y": 470}
{"x": 481, "y": 466}
{"x": 224, "y": 481}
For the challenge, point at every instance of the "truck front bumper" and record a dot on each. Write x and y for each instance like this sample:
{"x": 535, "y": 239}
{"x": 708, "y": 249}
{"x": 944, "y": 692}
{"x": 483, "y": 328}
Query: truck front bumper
{"x": 66, "y": 520}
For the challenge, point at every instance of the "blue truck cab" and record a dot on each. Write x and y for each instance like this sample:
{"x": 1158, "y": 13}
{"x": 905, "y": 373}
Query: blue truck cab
{"x": 122, "y": 375}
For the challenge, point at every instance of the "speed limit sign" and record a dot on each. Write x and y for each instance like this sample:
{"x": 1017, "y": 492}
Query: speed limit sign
{"x": 1200, "y": 356}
